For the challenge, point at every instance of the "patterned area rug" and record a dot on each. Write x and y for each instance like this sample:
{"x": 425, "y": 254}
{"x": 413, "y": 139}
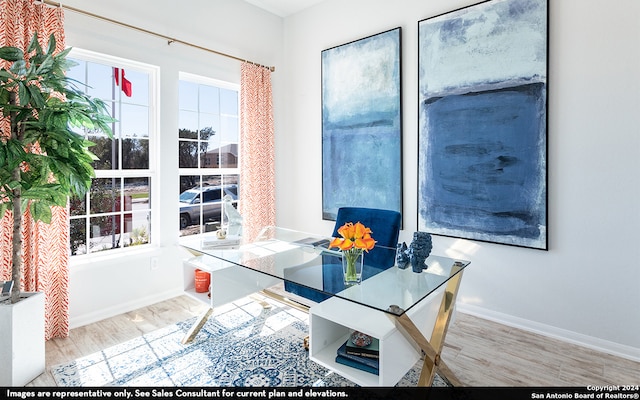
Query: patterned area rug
{"x": 242, "y": 344}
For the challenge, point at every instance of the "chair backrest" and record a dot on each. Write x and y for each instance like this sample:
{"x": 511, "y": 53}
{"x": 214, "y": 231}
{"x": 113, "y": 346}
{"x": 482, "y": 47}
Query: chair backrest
{"x": 385, "y": 229}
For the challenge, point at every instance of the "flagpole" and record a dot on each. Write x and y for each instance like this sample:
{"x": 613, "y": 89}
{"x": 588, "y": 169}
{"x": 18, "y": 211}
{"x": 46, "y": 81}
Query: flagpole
{"x": 169, "y": 39}
{"x": 115, "y": 155}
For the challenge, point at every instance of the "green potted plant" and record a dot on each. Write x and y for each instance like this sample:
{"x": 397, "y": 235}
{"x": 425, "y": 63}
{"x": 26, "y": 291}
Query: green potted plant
{"x": 43, "y": 160}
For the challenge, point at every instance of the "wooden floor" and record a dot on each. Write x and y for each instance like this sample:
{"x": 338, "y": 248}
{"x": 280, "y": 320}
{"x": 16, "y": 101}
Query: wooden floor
{"x": 480, "y": 352}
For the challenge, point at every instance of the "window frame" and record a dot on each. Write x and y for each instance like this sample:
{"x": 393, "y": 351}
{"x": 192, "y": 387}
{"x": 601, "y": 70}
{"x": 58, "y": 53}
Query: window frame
{"x": 202, "y": 171}
{"x": 151, "y": 173}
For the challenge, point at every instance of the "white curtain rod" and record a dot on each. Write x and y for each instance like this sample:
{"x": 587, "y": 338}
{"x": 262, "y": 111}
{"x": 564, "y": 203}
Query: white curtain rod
{"x": 169, "y": 39}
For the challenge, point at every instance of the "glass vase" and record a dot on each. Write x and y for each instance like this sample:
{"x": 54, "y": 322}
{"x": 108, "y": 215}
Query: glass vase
{"x": 352, "y": 261}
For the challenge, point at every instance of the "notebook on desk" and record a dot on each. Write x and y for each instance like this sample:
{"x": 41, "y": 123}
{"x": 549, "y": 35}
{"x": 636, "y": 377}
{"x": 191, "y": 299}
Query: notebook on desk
{"x": 318, "y": 243}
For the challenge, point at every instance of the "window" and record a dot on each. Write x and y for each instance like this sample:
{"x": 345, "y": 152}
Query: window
{"x": 208, "y": 152}
{"x": 116, "y": 212}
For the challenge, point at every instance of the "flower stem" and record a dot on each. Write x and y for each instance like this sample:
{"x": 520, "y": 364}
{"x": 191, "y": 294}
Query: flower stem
{"x": 351, "y": 257}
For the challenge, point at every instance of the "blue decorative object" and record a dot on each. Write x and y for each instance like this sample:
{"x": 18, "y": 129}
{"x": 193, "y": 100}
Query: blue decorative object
{"x": 360, "y": 339}
{"x": 402, "y": 256}
{"x": 419, "y": 250}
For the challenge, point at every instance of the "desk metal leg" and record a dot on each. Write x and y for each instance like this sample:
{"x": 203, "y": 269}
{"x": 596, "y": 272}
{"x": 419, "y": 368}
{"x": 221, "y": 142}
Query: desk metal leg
{"x": 195, "y": 328}
{"x": 432, "y": 349}
{"x": 202, "y": 319}
{"x": 260, "y": 301}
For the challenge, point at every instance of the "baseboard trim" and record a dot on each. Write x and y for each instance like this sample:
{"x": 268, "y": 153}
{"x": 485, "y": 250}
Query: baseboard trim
{"x": 605, "y": 346}
{"x": 121, "y": 308}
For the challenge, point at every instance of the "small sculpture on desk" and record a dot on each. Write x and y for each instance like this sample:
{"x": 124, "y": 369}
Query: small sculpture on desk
{"x": 234, "y": 218}
{"x": 402, "y": 257}
{"x": 416, "y": 254}
{"x": 419, "y": 250}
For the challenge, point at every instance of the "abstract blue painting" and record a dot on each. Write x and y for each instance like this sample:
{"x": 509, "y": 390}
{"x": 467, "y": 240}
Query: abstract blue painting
{"x": 482, "y": 156}
{"x": 362, "y": 125}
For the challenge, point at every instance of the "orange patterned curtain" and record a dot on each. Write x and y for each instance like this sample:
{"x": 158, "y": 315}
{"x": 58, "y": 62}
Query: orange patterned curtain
{"x": 257, "y": 152}
{"x": 45, "y": 247}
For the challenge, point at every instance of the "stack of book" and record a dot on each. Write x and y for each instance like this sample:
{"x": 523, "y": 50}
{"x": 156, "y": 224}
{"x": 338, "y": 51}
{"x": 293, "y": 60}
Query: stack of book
{"x": 213, "y": 242}
{"x": 366, "y": 358}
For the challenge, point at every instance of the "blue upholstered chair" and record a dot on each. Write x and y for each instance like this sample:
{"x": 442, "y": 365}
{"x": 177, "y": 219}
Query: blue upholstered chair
{"x": 385, "y": 228}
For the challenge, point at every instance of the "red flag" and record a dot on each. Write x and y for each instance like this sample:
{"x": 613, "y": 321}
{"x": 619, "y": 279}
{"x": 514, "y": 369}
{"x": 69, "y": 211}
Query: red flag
{"x": 126, "y": 84}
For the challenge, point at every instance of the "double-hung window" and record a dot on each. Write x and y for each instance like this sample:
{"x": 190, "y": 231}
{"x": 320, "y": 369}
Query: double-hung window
{"x": 208, "y": 134}
{"x": 116, "y": 212}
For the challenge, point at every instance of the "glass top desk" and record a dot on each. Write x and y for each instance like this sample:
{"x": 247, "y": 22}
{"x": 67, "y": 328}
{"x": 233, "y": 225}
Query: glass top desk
{"x": 282, "y": 255}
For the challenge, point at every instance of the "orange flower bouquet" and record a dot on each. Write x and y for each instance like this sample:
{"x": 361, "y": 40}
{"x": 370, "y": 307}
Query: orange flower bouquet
{"x": 356, "y": 238}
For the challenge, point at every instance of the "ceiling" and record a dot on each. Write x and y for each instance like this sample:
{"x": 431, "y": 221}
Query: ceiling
{"x": 283, "y": 8}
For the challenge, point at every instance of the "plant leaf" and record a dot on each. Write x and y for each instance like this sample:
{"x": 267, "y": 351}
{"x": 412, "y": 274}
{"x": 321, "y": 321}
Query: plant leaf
{"x": 52, "y": 44}
{"x": 4, "y": 207}
{"x": 19, "y": 67}
{"x": 11, "y": 54}
{"x": 34, "y": 45}
{"x": 23, "y": 94}
{"x": 41, "y": 212}
{"x": 36, "y": 96}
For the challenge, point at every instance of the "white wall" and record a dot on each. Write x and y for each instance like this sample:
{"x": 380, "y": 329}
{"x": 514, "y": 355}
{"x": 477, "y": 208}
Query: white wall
{"x": 110, "y": 285}
{"x": 586, "y": 287}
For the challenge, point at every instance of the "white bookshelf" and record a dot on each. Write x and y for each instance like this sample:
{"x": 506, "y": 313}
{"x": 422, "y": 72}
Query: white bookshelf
{"x": 332, "y": 321}
{"x": 229, "y": 282}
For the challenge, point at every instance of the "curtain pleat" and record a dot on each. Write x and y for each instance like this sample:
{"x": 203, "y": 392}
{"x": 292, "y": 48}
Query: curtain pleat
{"x": 257, "y": 151}
{"x": 45, "y": 246}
